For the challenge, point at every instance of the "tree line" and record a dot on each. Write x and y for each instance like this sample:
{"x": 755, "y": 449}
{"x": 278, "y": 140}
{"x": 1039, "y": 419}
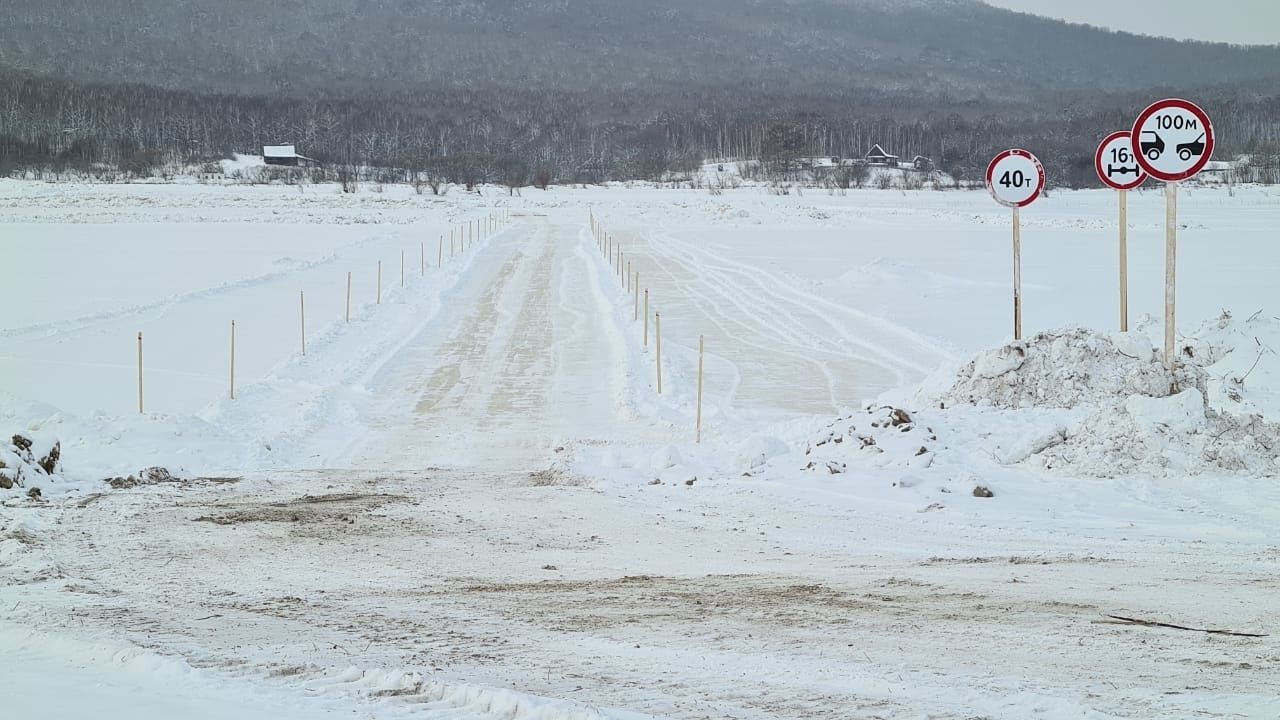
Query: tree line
{"x": 466, "y": 137}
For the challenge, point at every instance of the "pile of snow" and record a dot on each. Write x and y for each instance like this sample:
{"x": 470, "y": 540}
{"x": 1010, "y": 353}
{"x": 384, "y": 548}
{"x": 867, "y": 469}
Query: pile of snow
{"x": 881, "y": 436}
{"x": 1069, "y": 369}
{"x": 1142, "y": 417}
{"x": 1241, "y": 360}
{"x": 1167, "y": 435}
{"x": 28, "y": 461}
{"x": 1080, "y": 403}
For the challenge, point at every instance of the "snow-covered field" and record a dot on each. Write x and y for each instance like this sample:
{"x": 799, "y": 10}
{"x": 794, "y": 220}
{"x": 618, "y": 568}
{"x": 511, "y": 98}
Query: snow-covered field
{"x": 470, "y": 501}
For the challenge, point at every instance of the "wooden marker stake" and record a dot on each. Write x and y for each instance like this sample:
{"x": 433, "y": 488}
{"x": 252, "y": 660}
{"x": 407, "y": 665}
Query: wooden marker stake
{"x": 657, "y": 340}
{"x": 440, "y": 253}
{"x": 233, "y": 359}
{"x": 1017, "y": 275}
{"x": 140, "y": 373}
{"x": 348, "y": 298}
{"x": 302, "y": 309}
{"x": 646, "y": 317}
{"x": 627, "y": 283}
{"x": 1170, "y": 270}
{"x": 1124, "y": 261}
{"x": 698, "y": 431}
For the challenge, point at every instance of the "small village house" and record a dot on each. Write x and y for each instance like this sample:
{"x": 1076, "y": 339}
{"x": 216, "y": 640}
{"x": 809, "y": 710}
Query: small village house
{"x": 877, "y": 156}
{"x": 286, "y": 155}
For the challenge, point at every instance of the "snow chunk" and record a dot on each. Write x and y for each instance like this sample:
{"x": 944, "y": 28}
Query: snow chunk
{"x": 667, "y": 457}
{"x": 759, "y": 449}
{"x": 1181, "y": 413}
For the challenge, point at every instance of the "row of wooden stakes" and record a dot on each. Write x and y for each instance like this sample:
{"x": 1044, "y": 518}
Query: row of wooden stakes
{"x": 461, "y": 238}
{"x": 629, "y": 278}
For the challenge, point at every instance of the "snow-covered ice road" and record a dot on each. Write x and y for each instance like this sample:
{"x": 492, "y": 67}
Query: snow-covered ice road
{"x": 523, "y": 358}
{"x": 449, "y": 563}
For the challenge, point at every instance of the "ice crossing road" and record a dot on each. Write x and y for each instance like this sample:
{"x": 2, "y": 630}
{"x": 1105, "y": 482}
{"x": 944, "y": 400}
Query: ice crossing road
{"x": 522, "y": 359}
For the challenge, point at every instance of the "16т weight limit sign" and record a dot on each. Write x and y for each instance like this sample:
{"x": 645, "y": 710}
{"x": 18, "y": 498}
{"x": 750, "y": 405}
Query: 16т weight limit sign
{"x": 1117, "y": 164}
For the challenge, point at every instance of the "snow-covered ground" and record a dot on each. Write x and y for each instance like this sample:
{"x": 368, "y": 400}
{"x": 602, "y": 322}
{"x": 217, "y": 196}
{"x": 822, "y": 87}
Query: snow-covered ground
{"x": 470, "y": 498}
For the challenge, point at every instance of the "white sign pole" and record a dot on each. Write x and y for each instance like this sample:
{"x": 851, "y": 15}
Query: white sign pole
{"x": 1124, "y": 260}
{"x": 1017, "y": 274}
{"x": 1170, "y": 269}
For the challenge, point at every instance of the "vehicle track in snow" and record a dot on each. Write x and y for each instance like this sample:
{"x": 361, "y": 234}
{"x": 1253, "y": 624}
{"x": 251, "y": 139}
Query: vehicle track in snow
{"x": 827, "y": 356}
{"x": 523, "y": 360}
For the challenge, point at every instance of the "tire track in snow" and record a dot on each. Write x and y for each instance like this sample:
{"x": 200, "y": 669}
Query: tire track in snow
{"x": 791, "y": 334}
{"x": 521, "y": 361}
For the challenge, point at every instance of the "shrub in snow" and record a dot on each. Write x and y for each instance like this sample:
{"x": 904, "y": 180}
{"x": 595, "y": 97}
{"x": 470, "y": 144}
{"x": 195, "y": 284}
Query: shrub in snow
{"x": 25, "y": 458}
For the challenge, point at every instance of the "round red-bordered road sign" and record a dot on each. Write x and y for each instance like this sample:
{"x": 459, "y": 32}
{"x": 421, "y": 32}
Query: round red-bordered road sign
{"x": 1173, "y": 139}
{"x": 1015, "y": 178}
{"x": 1117, "y": 164}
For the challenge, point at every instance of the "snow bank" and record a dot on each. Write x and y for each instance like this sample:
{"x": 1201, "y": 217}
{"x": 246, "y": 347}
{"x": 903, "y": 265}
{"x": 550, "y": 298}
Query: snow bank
{"x": 1067, "y": 369}
{"x": 1161, "y": 436}
{"x": 1079, "y": 403}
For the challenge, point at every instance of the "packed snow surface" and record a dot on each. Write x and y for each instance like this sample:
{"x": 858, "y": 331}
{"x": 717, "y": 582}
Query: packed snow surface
{"x": 467, "y": 498}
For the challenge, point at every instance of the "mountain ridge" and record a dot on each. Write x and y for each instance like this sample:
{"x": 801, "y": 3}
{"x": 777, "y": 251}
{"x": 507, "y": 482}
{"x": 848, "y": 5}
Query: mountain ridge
{"x": 959, "y": 49}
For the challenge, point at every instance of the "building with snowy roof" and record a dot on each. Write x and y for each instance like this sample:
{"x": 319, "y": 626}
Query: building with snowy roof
{"x": 284, "y": 155}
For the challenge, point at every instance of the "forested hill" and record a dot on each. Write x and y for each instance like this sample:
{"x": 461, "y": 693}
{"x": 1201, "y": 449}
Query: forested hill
{"x": 946, "y": 49}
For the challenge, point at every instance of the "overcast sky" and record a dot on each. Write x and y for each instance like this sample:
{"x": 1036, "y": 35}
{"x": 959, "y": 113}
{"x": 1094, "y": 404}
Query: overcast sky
{"x": 1255, "y": 22}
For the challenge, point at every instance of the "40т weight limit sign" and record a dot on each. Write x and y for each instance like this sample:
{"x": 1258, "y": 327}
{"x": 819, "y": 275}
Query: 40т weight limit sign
{"x": 1015, "y": 178}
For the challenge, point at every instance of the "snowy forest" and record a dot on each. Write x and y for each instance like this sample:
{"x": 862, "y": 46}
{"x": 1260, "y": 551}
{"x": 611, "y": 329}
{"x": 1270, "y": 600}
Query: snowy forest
{"x": 509, "y": 91}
